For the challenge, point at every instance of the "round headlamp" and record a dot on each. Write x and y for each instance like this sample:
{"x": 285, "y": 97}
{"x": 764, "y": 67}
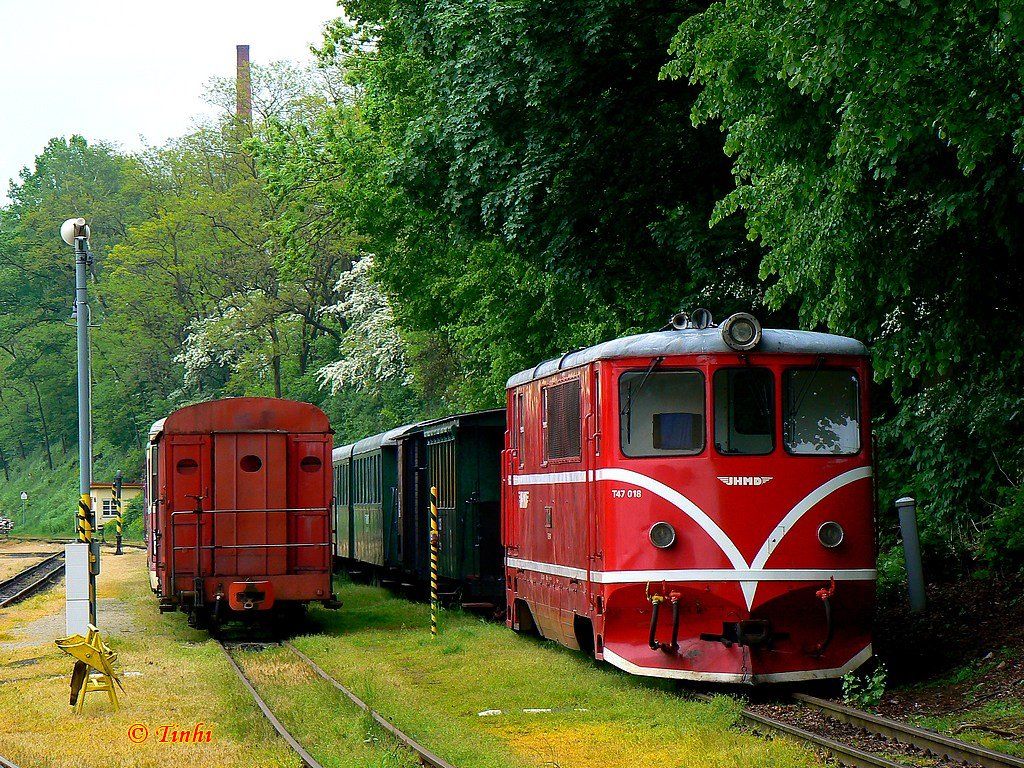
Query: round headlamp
{"x": 662, "y": 535}
{"x": 741, "y": 332}
{"x": 830, "y": 534}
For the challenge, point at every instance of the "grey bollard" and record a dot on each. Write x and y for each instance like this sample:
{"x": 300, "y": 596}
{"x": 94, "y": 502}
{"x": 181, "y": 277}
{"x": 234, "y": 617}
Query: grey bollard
{"x": 907, "y": 508}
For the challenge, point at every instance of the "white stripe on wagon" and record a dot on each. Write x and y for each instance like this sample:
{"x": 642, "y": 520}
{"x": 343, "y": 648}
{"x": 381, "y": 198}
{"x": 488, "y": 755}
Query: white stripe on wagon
{"x": 733, "y": 677}
{"x": 696, "y": 574}
{"x": 699, "y": 516}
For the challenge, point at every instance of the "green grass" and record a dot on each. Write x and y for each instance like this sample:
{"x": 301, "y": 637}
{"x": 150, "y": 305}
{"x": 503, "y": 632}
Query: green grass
{"x": 174, "y": 676}
{"x": 434, "y": 689}
{"x": 336, "y": 733}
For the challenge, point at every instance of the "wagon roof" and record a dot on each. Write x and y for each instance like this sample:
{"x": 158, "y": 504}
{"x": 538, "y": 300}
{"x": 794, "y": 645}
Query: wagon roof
{"x": 392, "y": 436}
{"x": 694, "y": 342}
{"x": 372, "y": 443}
{"x": 244, "y": 414}
{"x": 157, "y": 428}
{"x": 341, "y": 452}
{"x": 447, "y": 422}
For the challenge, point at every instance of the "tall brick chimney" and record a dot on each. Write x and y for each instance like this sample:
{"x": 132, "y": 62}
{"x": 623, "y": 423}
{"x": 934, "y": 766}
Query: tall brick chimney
{"x": 243, "y": 84}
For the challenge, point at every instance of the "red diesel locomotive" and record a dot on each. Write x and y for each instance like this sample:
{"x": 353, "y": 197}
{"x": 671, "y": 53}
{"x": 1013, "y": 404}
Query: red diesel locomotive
{"x": 238, "y": 504}
{"x": 696, "y": 503}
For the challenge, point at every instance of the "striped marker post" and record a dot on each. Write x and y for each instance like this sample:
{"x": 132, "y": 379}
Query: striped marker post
{"x": 117, "y": 509}
{"x": 435, "y": 538}
{"x": 85, "y": 536}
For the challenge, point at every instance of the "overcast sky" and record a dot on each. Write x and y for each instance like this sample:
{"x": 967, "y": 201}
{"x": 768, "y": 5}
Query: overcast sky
{"x": 140, "y": 67}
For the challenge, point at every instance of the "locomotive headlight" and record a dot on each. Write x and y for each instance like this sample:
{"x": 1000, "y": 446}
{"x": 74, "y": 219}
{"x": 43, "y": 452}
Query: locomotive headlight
{"x": 830, "y": 534}
{"x": 662, "y": 535}
{"x": 742, "y": 332}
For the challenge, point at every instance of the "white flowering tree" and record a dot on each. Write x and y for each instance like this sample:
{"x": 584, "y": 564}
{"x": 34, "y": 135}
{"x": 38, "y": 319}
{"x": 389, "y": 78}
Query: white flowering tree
{"x": 371, "y": 348}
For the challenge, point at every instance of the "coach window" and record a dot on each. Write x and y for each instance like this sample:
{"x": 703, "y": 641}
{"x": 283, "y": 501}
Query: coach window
{"x": 822, "y": 411}
{"x": 744, "y": 411}
{"x": 563, "y": 430}
{"x": 661, "y": 413}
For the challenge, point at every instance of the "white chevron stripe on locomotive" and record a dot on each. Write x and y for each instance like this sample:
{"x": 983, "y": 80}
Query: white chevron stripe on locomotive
{"x": 747, "y": 574}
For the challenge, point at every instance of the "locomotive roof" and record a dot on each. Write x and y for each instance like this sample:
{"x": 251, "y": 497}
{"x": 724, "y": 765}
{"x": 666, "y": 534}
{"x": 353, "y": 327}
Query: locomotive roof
{"x": 692, "y": 341}
{"x": 243, "y": 414}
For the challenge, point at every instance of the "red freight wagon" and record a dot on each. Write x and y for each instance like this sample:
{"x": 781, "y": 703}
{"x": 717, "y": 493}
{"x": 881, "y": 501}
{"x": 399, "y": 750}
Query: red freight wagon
{"x": 696, "y": 503}
{"x": 237, "y": 507}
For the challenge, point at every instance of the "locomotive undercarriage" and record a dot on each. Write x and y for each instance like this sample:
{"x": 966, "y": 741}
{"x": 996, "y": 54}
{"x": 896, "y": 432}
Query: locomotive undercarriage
{"x": 805, "y": 631}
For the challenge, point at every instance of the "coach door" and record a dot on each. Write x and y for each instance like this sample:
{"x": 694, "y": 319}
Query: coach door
{"x": 250, "y": 522}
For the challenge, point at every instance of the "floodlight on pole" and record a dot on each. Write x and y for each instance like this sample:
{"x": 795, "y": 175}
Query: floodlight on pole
{"x": 92, "y": 672}
{"x": 72, "y": 229}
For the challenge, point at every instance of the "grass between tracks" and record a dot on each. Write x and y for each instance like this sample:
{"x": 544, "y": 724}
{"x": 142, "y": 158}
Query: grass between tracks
{"x": 174, "y": 676}
{"x": 12, "y": 566}
{"x": 380, "y": 647}
{"x": 435, "y": 690}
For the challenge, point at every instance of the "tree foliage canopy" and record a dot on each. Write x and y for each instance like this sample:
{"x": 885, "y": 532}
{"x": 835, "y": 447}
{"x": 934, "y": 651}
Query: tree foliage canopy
{"x": 465, "y": 188}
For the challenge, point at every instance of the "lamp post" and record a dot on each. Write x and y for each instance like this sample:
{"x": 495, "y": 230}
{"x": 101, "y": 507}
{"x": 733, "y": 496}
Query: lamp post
{"x": 75, "y": 232}
{"x": 94, "y": 671}
{"x": 24, "y": 507}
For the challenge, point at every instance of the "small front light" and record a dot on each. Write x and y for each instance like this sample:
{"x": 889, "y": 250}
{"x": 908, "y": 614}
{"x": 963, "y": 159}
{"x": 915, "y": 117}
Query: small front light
{"x": 830, "y": 534}
{"x": 741, "y": 332}
{"x": 662, "y": 535}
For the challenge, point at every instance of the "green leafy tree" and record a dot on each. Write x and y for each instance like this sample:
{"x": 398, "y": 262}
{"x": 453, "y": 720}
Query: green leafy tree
{"x": 877, "y": 152}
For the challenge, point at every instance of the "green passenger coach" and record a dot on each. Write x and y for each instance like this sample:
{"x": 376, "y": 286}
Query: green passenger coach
{"x": 463, "y": 462}
{"x": 383, "y": 506}
{"x": 343, "y": 545}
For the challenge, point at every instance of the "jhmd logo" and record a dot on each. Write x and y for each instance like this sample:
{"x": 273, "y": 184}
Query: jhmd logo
{"x": 745, "y": 480}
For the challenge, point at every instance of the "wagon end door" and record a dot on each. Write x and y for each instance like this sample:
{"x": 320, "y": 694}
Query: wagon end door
{"x": 186, "y": 490}
{"x": 250, "y": 524}
{"x": 309, "y": 497}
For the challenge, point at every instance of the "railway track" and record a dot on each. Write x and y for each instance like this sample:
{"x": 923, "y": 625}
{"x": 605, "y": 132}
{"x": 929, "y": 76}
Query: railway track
{"x": 894, "y": 737}
{"x": 424, "y": 755}
{"x": 931, "y": 742}
{"x": 30, "y": 580}
{"x": 5, "y": 763}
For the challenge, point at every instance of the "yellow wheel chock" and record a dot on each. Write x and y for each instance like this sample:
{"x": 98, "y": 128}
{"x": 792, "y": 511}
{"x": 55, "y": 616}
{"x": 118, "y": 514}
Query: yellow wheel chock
{"x": 94, "y": 667}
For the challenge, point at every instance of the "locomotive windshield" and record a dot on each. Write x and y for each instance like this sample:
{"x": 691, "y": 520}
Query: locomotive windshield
{"x": 822, "y": 413}
{"x": 744, "y": 411}
{"x": 661, "y": 413}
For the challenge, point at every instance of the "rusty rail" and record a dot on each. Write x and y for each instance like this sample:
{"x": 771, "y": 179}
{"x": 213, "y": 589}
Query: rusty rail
{"x": 30, "y": 580}
{"x": 425, "y": 756}
{"x": 930, "y": 741}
